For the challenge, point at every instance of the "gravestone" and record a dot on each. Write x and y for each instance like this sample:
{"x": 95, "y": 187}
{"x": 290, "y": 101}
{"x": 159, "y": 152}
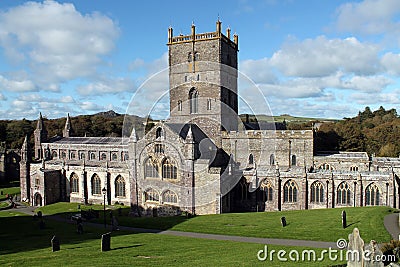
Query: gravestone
{"x": 79, "y": 228}
{"x": 106, "y": 242}
{"x": 344, "y": 219}
{"x": 355, "y": 249}
{"x": 79, "y": 207}
{"x": 114, "y": 223}
{"x": 374, "y": 253}
{"x": 55, "y": 243}
{"x": 1, "y": 192}
{"x": 39, "y": 214}
{"x": 283, "y": 221}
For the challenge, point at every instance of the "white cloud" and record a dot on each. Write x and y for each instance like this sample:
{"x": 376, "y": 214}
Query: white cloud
{"x": 322, "y": 57}
{"x": 391, "y": 62}
{"x": 260, "y": 71}
{"x": 368, "y": 16}
{"x": 16, "y": 85}
{"x": 56, "y": 41}
{"x": 107, "y": 85}
{"x": 90, "y": 106}
{"x": 2, "y": 97}
{"x": 369, "y": 99}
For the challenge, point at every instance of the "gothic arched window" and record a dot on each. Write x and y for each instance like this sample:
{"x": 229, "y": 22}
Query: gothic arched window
{"x": 96, "y": 185}
{"x": 193, "y": 100}
{"x": 267, "y": 188}
{"x": 151, "y": 168}
{"x": 317, "y": 192}
{"x": 119, "y": 186}
{"x": 74, "y": 182}
{"x": 170, "y": 197}
{"x": 372, "y": 195}
{"x": 343, "y": 194}
{"x": 169, "y": 169}
{"x": 290, "y": 191}
{"x": 151, "y": 195}
{"x": 251, "y": 159}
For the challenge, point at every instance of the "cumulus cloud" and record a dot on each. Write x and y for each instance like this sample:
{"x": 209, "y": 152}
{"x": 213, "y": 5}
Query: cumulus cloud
{"x": 56, "y": 41}
{"x": 368, "y": 17}
{"x": 90, "y": 106}
{"x": 322, "y": 56}
{"x": 16, "y": 85}
{"x": 107, "y": 85}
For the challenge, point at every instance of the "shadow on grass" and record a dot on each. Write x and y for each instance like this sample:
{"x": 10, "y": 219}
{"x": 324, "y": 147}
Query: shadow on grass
{"x": 22, "y": 233}
{"x": 19, "y": 233}
{"x": 351, "y": 224}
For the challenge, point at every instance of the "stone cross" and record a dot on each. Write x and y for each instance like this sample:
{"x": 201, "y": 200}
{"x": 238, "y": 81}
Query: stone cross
{"x": 55, "y": 243}
{"x": 344, "y": 219}
{"x": 355, "y": 249}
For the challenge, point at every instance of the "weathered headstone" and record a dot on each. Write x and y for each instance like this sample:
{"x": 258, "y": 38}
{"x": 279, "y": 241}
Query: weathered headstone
{"x": 283, "y": 221}
{"x": 79, "y": 228}
{"x": 106, "y": 242}
{"x": 344, "y": 219}
{"x": 374, "y": 255}
{"x": 55, "y": 243}
{"x": 114, "y": 223}
{"x": 79, "y": 207}
{"x": 355, "y": 249}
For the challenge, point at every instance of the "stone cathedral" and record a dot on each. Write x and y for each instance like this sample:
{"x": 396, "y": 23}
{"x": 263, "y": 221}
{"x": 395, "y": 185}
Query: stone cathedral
{"x": 203, "y": 159}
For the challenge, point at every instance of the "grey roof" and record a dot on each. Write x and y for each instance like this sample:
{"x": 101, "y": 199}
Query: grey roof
{"x": 92, "y": 140}
{"x": 342, "y": 154}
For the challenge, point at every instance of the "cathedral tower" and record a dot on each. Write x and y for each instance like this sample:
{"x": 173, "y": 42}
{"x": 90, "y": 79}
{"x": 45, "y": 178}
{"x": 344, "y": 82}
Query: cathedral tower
{"x": 203, "y": 80}
{"x": 67, "y": 132}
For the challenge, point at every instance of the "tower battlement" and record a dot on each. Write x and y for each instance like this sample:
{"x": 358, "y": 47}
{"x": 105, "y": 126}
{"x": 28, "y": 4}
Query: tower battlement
{"x": 195, "y": 37}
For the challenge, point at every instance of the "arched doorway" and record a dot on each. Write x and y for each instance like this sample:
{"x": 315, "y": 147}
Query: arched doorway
{"x": 37, "y": 200}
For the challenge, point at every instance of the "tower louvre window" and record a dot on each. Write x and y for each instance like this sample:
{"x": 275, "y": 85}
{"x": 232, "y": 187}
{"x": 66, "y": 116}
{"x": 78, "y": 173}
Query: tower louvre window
{"x": 193, "y": 99}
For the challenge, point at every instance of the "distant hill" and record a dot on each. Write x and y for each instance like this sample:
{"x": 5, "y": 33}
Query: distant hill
{"x": 376, "y": 132}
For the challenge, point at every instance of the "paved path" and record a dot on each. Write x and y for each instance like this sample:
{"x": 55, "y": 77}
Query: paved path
{"x": 391, "y": 223}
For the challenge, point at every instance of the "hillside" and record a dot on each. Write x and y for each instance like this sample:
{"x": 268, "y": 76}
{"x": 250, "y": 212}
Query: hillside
{"x": 375, "y": 132}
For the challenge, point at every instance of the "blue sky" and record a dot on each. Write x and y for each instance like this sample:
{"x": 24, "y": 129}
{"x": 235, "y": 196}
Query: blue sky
{"x": 309, "y": 58}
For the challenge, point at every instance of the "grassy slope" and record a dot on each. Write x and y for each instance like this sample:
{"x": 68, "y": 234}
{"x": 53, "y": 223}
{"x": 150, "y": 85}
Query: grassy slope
{"x": 321, "y": 224}
{"x": 23, "y": 244}
{"x": 9, "y": 190}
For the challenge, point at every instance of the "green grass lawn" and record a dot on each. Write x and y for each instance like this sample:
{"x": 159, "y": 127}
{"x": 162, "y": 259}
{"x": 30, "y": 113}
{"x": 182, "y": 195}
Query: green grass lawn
{"x": 9, "y": 190}
{"x": 320, "y": 225}
{"x": 23, "y": 244}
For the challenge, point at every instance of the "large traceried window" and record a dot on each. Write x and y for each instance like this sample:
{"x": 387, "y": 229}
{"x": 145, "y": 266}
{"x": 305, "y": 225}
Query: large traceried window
{"x": 372, "y": 195}
{"x": 151, "y": 195}
{"x": 343, "y": 194}
{"x": 170, "y": 197}
{"x": 169, "y": 169}
{"x": 119, "y": 186}
{"x": 193, "y": 100}
{"x": 290, "y": 191}
{"x": 267, "y": 188}
{"x": 74, "y": 183}
{"x": 96, "y": 185}
{"x": 317, "y": 192}
{"x": 151, "y": 168}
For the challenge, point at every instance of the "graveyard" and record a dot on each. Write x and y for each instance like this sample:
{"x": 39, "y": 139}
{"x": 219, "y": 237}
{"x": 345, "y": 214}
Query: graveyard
{"x": 25, "y": 243}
